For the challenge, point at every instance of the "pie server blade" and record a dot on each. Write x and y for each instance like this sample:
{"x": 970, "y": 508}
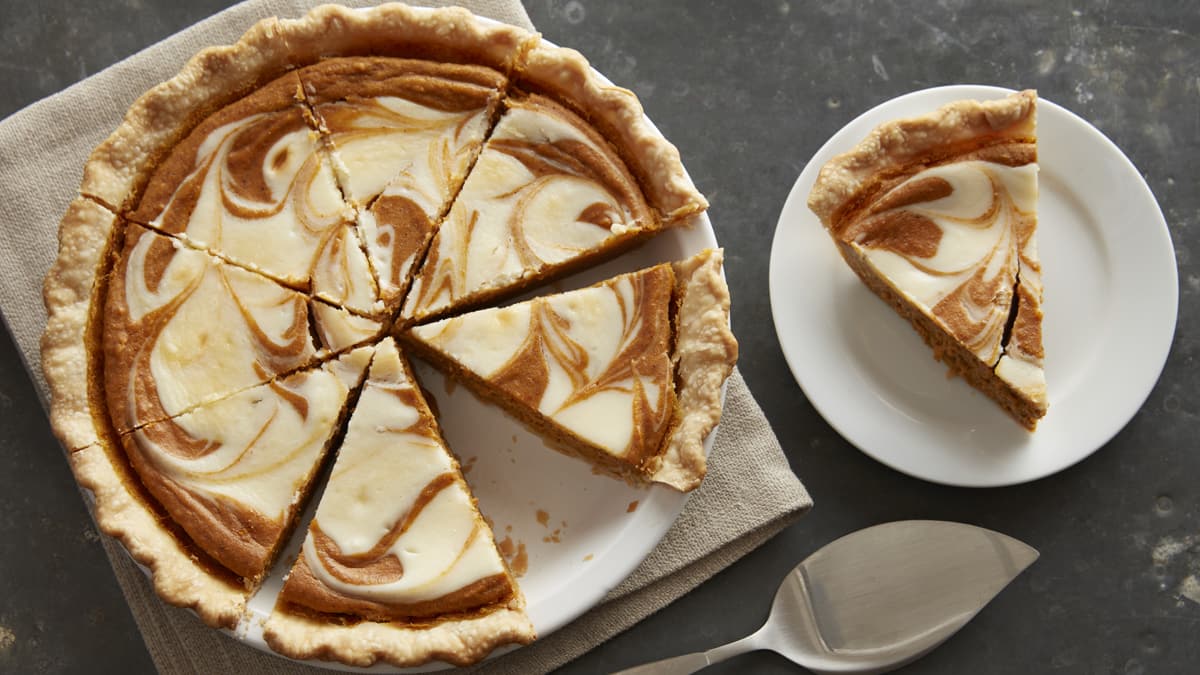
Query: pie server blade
{"x": 878, "y": 598}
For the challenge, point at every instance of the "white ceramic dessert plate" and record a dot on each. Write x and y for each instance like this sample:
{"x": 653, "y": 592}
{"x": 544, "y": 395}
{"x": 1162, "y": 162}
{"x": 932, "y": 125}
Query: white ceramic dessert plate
{"x": 1111, "y": 297}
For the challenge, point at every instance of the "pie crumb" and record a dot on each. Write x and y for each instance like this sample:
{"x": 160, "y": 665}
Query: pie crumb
{"x": 632, "y": 506}
{"x": 515, "y": 555}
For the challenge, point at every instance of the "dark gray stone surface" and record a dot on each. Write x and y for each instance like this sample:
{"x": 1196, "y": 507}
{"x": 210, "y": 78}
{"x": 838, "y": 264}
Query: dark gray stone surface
{"x": 749, "y": 91}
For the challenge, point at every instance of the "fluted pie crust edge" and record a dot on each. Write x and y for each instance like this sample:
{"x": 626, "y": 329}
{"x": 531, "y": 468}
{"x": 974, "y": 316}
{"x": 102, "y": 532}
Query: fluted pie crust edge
{"x": 460, "y": 642}
{"x": 703, "y": 356}
{"x": 114, "y": 179}
{"x": 895, "y": 146}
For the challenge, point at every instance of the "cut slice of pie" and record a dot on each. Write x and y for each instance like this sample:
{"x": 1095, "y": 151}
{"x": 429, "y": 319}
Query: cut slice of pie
{"x": 938, "y": 216}
{"x": 555, "y": 189}
{"x": 402, "y": 135}
{"x": 397, "y": 565}
{"x": 182, "y": 328}
{"x": 233, "y": 474}
{"x": 248, "y": 185}
{"x": 626, "y": 374}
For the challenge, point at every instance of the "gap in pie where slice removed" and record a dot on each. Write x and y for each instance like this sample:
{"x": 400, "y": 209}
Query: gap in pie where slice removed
{"x": 249, "y": 185}
{"x": 626, "y": 374}
{"x": 402, "y": 135}
{"x": 571, "y": 175}
{"x": 397, "y": 565}
{"x": 181, "y": 328}
{"x": 938, "y": 216}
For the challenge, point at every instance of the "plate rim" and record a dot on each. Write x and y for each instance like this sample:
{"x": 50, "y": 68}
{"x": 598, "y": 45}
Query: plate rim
{"x": 795, "y": 209}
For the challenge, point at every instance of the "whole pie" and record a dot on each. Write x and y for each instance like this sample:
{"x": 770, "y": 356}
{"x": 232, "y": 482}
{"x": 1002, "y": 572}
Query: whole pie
{"x": 938, "y": 216}
{"x": 247, "y": 242}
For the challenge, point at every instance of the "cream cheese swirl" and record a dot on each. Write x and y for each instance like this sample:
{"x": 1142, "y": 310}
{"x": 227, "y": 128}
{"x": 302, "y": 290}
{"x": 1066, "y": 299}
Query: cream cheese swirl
{"x": 396, "y": 526}
{"x": 595, "y": 361}
{"x": 947, "y": 238}
{"x": 545, "y": 191}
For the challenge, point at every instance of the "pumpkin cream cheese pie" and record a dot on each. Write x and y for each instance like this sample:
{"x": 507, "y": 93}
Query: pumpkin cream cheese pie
{"x": 938, "y": 216}
{"x": 250, "y": 173}
{"x": 248, "y": 239}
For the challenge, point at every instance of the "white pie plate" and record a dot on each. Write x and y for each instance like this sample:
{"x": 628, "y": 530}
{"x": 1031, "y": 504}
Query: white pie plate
{"x": 1111, "y": 299}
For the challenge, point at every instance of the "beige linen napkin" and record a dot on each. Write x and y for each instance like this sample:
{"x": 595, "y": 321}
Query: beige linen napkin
{"x": 749, "y": 495}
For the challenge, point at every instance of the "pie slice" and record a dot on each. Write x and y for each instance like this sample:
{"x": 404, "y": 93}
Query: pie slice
{"x": 553, "y": 190}
{"x": 398, "y": 565}
{"x": 248, "y": 186}
{"x": 402, "y": 135}
{"x": 182, "y": 329}
{"x": 233, "y": 474}
{"x": 626, "y": 374}
{"x": 938, "y": 216}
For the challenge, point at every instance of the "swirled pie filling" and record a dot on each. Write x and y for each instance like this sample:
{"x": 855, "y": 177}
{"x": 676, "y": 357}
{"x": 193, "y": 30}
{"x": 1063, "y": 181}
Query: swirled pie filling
{"x": 249, "y": 185}
{"x": 233, "y": 473}
{"x": 546, "y": 195}
{"x": 183, "y": 329}
{"x": 402, "y": 135}
{"x": 592, "y": 370}
{"x": 396, "y": 536}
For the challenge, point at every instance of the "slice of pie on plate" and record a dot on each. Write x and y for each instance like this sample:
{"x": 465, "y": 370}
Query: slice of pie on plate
{"x": 938, "y": 216}
{"x": 571, "y": 174}
{"x": 626, "y": 374}
{"x": 397, "y": 565}
{"x": 182, "y": 328}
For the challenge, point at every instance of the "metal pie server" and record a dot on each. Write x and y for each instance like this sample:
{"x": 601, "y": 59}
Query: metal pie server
{"x": 878, "y": 598}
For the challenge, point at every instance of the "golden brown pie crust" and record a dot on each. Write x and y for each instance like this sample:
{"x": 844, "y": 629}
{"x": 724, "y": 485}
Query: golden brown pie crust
{"x": 565, "y": 76}
{"x": 704, "y": 354}
{"x": 113, "y": 190}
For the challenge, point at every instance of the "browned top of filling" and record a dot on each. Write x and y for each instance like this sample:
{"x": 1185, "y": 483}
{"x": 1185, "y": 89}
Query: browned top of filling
{"x": 447, "y": 87}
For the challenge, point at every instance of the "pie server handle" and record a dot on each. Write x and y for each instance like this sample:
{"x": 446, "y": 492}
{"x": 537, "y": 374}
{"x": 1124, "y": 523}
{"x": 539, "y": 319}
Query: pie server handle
{"x": 690, "y": 663}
